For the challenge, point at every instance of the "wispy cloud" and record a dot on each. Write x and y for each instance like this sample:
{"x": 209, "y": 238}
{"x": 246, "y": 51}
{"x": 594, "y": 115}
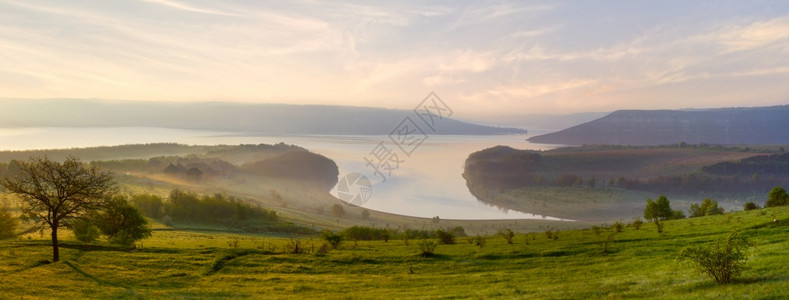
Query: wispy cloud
{"x": 573, "y": 56}
{"x": 190, "y": 8}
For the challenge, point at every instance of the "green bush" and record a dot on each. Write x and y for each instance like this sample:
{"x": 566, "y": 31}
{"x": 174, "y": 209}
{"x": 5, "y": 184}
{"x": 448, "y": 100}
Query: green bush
{"x": 445, "y": 237}
{"x": 334, "y": 239}
{"x": 636, "y": 224}
{"x": 777, "y": 197}
{"x": 750, "y": 206}
{"x": 708, "y": 207}
{"x": 507, "y": 234}
{"x": 722, "y": 261}
{"x": 122, "y": 223}
{"x": 478, "y": 240}
{"x": 618, "y": 226}
{"x": 8, "y": 223}
{"x": 85, "y": 231}
{"x": 427, "y": 247}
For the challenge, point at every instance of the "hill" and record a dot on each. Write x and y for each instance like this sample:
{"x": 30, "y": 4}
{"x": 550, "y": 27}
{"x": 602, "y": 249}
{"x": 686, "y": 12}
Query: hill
{"x": 725, "y": 126}
{"x": 224, "y": 116}
{"x": 611, "y": 182}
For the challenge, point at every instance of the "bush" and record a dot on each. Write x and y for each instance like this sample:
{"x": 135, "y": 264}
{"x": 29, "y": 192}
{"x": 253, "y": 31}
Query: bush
{"x": 294, "y": 246}
{"x": 334, "y": 239}
{"x": 85, "y": 231}
{"x": 8, "y": 223}
{"x": 722, "y": 261}
{"x": 123, "y": 238}
{"x": 122, "y": 223}
{"x": 428, "y": 247}
{"x": 507, "y": 234}
{"x": 618, "y": 226}
{"x": 777, "y": 197}
{"x": 445, "y": 237}
{"x": 478, "y": 240}
{"x": 750, "y": 206}
{"x": 458, "y": 231}
{"x": 636, "y": 223}
{"x": 708, "y": 207}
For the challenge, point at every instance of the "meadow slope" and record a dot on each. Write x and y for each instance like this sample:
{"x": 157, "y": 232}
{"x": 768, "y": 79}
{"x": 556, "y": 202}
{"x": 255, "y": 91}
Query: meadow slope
{"x": 204, "y": 264}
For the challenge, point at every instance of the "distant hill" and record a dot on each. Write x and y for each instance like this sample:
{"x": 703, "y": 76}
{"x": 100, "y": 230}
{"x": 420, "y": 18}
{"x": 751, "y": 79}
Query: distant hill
{"x": 725, "y": 126}
{"x": 224, "y": 116}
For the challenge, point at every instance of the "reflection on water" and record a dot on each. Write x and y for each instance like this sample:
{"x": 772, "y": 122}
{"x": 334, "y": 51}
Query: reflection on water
{"x": 426, "y": 184}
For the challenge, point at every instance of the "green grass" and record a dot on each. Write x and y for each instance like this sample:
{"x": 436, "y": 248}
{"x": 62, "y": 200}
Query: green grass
{"x": 203, "y": 264}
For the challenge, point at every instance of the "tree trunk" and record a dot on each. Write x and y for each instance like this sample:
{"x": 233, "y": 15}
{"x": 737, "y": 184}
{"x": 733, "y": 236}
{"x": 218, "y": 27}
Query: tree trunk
{"x": 55, "y": 253}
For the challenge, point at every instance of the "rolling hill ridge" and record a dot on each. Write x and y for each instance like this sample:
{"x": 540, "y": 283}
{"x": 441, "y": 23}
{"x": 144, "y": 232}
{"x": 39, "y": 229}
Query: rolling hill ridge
{"x": 725, "y": 126}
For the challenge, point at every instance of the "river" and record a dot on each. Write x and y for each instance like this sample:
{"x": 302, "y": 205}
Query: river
{"x": 426, "y": 183}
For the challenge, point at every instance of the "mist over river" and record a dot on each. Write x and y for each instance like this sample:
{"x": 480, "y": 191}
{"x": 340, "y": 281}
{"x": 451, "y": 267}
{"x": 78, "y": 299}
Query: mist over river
{"x": 427, "y": 183}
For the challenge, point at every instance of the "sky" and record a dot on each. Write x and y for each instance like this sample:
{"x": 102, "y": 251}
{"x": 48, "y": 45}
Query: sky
{"x": 484, "y": 59}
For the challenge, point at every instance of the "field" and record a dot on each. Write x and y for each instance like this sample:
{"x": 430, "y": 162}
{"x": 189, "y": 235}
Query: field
{"x": 180, "y": 263}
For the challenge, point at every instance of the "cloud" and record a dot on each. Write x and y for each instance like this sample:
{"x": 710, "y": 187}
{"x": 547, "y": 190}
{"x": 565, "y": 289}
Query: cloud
{"x": 190, "y": 8}
{"x": 752, "y": 36}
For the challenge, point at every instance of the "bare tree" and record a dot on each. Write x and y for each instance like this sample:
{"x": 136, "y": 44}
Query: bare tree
{"x": 57, "y": 193}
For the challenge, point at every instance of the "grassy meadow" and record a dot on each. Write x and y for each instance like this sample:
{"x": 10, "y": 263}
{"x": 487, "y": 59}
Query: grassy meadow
{"x": 182, "y": 263}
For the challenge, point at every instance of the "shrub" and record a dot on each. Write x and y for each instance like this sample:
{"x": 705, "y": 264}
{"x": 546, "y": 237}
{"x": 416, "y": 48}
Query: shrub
{"x": 636, "y": 224}
{"x": 8, "y": 223}
{"x": 445, "y": 237}
{"x": 722, "y": 261}
{"x": 427, "y": 247}
{"x": 123, "y": 238}
{"x": 750, "y": 206}
{"x": 85, "y": 231}
{"x": 334, "y": 239}
{"x": 122, "y": 223}
{"x": 507, "y": 234}
{"x": 608, "y": 240}
{"x": 458, "y": 231}
{"x": 707, "y": 207}
{"x": 618, "y": 226}
{"x": 294, "y": 246}
{"x": 478, "y": 240}
{"x": 777, "y": 197}
{"x": 549, "y": 233}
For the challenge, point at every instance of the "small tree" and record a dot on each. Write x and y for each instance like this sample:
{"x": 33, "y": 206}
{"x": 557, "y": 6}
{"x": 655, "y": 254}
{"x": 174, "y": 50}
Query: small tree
{"x": 122, "y": 223}
{"x": 664, "y": 211}
{"x": 58, "y": 193}
{"x": 722, "y": 261}
{"x": 651, "y": 210}
{"x": 777, "y": 197}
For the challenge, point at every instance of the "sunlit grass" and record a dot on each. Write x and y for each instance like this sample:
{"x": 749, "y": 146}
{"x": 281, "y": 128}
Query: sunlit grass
{"x": 207, "y": 264}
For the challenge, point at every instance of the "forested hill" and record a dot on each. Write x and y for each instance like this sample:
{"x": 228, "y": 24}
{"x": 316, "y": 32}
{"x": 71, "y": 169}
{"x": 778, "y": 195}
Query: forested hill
{"x": 224, "y": 116}
{"x": 726, "y": 126}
